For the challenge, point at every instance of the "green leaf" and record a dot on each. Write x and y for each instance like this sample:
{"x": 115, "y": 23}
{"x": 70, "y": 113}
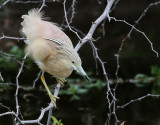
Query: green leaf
{"x": 156, "y": 90}
{"x": 90, "y": 85}
{"x": 63, "y": 92}
{"x": 75, "y": 97}
{"x": 155, "y": 70}
{"x": 60, "y": 120}
{"x": 140, "y": 76}
{"x": 82, "y": 91}
{"x": 55, "y": 121}
{"x": 142, "y": 80}
{"x": 157, "y": 82}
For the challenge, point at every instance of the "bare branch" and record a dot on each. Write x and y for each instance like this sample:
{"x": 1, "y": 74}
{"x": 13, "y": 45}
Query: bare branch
{"x": 135, "y": 100}
{"x": 56, "y": 91}
{"x": 141, "y": 16}
{"x": 40, "y": 117}
{"x": 9, "y": 56}
{"x": 1, "y": 78}
{"x": 89, "y": 35}
{"x": 43, "y": 5}
{"x": 29, "y": 2}
{"x": 151, "y": 44}
{"x": 38, "y": 76}
{"x": 50, "y": 107}
{"x": 138, "y": 20}
{"x": 17, "y": 83}
{"x": 68, "y": 24}
{"x": 13, "y": 38}
{"x": 12, "y": 114}
{"x": 3, "y": 4}
{"x": 114, "y": 6}
{"x": 120, "y": 49}
{"x": 49, "y": 116}
{"x": 43, "y": 111}
{"x": 89, "y": 38}
{"x": 73, "y": 11}
{"x": 111, "y": 94}
{"x": 8, "y": 108}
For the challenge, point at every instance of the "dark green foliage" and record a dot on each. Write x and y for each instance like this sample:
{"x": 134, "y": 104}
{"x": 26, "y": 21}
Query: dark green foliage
{"x": 12, "y": 62}
{"x": 2, "y": 1}
{"x": 78, "y": 87}
{"x": 155, "y": 70}
{"x": 142, "y": 80}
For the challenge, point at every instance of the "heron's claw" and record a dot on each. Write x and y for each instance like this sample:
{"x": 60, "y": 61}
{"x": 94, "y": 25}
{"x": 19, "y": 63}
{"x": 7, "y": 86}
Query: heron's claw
{"x": 61, "y": 81}
{"x": 53, "y": 99}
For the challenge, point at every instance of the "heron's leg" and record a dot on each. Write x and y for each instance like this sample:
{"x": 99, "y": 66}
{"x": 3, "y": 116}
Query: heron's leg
{"x": 53, "y": 98}
{"x": 61, "y": 81}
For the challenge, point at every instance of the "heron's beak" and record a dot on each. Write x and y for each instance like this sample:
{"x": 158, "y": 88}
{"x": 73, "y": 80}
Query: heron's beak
{"x": 80, "y": 70}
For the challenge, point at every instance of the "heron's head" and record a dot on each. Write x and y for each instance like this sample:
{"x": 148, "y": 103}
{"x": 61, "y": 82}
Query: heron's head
{"x": 74, "y": 61}
{"x": 70, "y": 57}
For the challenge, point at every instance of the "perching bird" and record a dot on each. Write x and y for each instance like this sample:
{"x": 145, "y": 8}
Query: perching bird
{"x": 50, "y": 48}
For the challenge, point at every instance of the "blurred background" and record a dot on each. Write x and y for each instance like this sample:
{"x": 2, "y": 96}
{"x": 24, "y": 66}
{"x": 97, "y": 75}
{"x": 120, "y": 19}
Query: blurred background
{"x": 82, "y": 102}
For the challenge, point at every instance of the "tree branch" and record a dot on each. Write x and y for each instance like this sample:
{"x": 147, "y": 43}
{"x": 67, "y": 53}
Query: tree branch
{"x": 135, "y": 100}
{"x": 89, "y": 35}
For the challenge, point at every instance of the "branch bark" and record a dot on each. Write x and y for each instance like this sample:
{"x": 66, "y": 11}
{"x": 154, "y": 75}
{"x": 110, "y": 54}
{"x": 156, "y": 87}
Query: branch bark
{"x": 89, "y": 35}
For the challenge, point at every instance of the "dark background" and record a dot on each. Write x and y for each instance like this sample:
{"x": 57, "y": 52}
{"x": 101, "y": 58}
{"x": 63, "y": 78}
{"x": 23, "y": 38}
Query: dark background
{"x": 136, "y": 57}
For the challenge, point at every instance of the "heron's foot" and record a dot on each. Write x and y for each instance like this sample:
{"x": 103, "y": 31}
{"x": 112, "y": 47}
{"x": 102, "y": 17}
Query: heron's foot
{"x": 61, "y": 81}
{"x": 53, "y": 99}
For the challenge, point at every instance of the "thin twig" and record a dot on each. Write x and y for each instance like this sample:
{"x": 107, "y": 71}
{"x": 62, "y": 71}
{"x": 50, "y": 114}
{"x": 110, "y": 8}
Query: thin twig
{"x": 73, "y": 11}
{"x": 3, "y": 4}
{"x": 9, "y": 56}
{"x": 138, "y": 99}
{"x": 145, "y": 36}
{"x": 1, "y": 78}
{"x": 43, "y": 5}
{"x": 140, "y": 17}
{"x": 114, "y": 6}
{"x": 28, "y": 2}
{"x": 12, "y": 114}
{"x": 66, "y": 19}
{"x": 38, "y": 76}
{"x": 17, "y": 83}
{"x": 13, "y": 38}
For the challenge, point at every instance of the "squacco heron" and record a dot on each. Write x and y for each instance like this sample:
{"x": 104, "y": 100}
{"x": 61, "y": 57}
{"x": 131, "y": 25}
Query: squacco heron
{"x": 51, "y": 49}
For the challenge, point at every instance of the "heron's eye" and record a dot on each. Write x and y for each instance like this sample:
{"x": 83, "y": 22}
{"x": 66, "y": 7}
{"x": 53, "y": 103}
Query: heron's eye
{"x": 73, "y": 62}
